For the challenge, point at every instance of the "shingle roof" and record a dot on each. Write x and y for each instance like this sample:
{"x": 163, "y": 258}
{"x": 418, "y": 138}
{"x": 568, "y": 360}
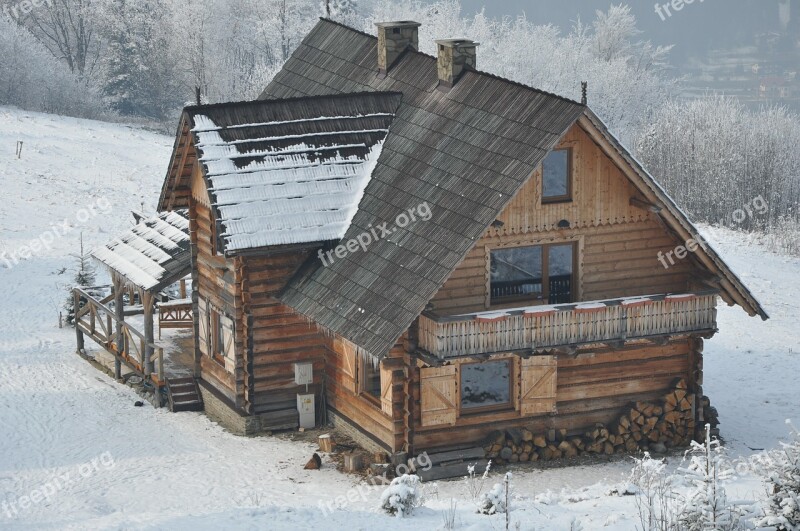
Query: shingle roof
{"x": 465, "y": 152}
{"x": 291, "y": 171}
{"x": 153, "y": 254}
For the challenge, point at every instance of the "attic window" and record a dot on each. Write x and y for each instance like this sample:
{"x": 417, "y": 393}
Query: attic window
{"x": 557, "y": 176}
{"x": 396, "y": 30}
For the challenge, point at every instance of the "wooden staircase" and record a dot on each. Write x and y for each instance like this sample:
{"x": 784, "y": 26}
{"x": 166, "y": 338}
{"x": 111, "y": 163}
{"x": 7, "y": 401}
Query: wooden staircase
{"x": 183, "y": 394}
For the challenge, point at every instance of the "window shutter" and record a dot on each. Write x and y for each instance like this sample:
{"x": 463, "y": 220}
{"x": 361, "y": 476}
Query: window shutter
{"x": 538, "y": 385}
{"x": 438, "y": 395}
{"x": 203, "y": 326}
{"x": 349, "y": 364}
{"x": 228, "y": 343}
{"x": 386, "y": 390}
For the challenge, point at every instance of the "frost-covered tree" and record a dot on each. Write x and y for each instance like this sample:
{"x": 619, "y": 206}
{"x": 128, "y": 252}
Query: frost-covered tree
{"x": 628, "y": 78}
{"x": 69, "y": 28}
{"x": 716, "y": 158}
{"x": 783, "y": 484}
{"x": 32, "y": 78}
{"x": 138, "y": 72}
{"x": 85, "y": 277}
{"x": 344, "y": 11}
{"x": 707, "y": 507}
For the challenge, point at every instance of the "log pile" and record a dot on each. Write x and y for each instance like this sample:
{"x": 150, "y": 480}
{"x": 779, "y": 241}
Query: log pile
{"x": 643, "y": 426}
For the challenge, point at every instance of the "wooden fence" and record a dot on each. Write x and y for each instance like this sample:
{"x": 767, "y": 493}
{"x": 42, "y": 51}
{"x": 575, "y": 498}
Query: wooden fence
{"x": 96, "y": 320}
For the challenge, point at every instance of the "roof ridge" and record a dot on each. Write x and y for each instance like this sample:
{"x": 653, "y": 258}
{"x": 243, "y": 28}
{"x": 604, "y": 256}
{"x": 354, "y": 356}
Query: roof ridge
{"x": 340, "y": 95}
{"x": 409, "y": 49}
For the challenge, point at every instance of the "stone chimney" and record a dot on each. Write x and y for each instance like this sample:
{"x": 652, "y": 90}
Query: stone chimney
{"x": 393, "y": 39}
{"x": 454, "y": 56}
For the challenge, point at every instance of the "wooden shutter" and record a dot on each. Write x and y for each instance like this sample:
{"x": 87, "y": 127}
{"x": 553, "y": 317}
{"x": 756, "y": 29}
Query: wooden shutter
{"x": 438, "y": 395}
{"x": 203, "y": 326}
{"x": 228, "y": 342}
{"x": 386, "y": 390}
{"x": 349, "y": 364}
{"x": 538, "y": 385}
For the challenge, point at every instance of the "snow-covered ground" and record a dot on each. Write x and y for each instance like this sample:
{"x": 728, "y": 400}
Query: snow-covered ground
{"x": 76, "y": 454}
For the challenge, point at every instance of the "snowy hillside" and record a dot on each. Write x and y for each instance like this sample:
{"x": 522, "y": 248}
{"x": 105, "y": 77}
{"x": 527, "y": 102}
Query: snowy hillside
{"x": 71, "y": 432}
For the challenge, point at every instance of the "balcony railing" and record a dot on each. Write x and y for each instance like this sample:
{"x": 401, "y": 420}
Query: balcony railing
{"x": 542, "y": 327}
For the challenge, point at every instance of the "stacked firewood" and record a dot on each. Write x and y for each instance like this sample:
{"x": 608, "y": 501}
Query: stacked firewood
{"x": 643, "y": 426}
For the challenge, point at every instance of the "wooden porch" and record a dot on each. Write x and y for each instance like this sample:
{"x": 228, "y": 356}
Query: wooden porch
{"x": 568, "y": 326}
{"x": 103, "y": 321}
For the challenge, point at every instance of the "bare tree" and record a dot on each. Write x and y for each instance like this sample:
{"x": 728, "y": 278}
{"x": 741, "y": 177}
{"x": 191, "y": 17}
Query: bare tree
{"x": 68, "y": 30}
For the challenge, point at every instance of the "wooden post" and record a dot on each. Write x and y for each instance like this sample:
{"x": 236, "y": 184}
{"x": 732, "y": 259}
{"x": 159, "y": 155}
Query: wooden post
{"x": 119, "y": 311}
{"x": 76, "y": 298}
{"x": 183, "y": 288}
{"x": 148, "y": 304}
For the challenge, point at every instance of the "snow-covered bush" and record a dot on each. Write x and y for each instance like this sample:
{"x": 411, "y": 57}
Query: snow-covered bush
{"x": 707, "y": 507}
{"x": 402, "y": 496}
{"x": 783, "y": 483}
{"x": 474, "y": 484}
{"x": 656, "y": 501}
{"x": 496, "y": 500}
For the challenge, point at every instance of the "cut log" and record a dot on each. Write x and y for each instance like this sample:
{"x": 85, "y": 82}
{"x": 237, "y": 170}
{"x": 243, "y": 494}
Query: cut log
{"x": 325, "y": 443}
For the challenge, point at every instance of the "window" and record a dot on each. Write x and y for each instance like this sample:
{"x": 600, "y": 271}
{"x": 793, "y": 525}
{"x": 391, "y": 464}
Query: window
{"x": 370, "y": 379}
{"x": 217, "y": 337}
{"x": 535, "y": 273}
{"x": 486, "y": 385}
{"x": 557, "y": 176}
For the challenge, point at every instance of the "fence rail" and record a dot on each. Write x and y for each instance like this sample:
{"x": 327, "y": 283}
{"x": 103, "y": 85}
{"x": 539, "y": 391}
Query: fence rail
{"x": 552, "y": 326}
{"x": 94, "y": 318}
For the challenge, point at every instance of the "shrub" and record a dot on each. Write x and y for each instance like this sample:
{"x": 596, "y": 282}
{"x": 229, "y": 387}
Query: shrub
{"x": 402, "y": 496}
{"x": 783, "y": 482}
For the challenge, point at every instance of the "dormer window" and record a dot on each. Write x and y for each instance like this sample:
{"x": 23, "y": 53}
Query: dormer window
{"x": 557, "y": 176}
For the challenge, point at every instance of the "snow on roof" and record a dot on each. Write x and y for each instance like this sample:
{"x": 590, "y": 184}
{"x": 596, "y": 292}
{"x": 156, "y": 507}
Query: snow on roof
{"x": 277, "y": 181}
{"x": 152, "y": 254}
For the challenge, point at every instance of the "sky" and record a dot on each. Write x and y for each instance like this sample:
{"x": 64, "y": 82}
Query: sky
{"x": 697, "y": 27}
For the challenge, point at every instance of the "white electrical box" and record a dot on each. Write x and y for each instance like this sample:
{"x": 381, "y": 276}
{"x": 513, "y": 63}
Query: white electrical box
{"x": 307, "y": 411}
{"x": 303, "y": 373}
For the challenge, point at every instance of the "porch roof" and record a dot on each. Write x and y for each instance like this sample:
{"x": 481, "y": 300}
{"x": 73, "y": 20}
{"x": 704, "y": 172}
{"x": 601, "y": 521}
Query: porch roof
{"x": 152, "y": 254}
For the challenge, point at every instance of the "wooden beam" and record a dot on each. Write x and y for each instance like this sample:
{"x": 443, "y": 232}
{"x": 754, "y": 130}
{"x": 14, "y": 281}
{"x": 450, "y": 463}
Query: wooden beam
{"x": 645, "y": 205}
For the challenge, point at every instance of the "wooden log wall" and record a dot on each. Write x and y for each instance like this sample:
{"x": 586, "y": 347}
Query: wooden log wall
{"x": 215, "y": 280}
{"x": 592, "y": 387}
{"x": 617, "y": 243}
{"x": 280, "y": 336}
{"x": 387, "y": 428}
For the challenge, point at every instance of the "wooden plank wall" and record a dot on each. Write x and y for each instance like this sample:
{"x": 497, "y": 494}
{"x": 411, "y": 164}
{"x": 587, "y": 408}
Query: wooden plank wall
{"x": 615, "y": 240}
{"x": 593, "y": 387}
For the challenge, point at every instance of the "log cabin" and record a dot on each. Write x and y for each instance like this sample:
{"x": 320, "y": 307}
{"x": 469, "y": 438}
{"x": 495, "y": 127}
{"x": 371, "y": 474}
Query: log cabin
{"x": 448, "y": 259}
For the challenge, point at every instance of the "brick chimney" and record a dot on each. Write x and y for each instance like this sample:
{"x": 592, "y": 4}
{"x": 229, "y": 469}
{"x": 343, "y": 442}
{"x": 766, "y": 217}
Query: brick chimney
{"x": 454, "y": 56}
{"x": 393, "y": 39}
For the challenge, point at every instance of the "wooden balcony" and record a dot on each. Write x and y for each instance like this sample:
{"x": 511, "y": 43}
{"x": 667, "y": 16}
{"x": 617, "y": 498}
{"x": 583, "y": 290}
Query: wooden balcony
{"x": 567, "y": 325}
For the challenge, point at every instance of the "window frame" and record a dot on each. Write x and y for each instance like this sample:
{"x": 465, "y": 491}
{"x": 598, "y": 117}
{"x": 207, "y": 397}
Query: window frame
{"x": 217, "y": 346}
{"x": 466, "y": 412}
{"x": 361, "y": 383}
{"x": 565, "y": 198}
{"x": 544, "y": 299}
